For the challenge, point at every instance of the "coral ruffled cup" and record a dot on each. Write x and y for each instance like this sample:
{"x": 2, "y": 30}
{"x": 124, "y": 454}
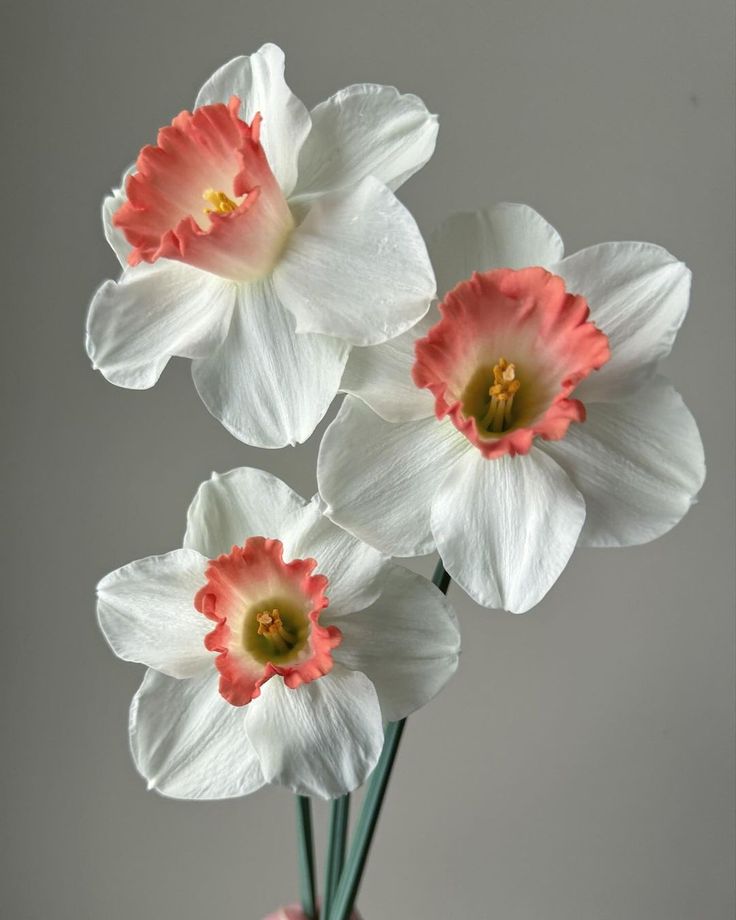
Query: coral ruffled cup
{"x": 205, "y": 195}
{"x": 506, "y": 356}
{"x": 267, "y": 614}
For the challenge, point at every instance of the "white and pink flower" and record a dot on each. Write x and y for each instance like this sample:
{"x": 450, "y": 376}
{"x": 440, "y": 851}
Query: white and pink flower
{"x": 525, "y": 417}
{"x": 277, "y": 645}
{"x": 295, "y": 912}
{"x": 263, "y": 241}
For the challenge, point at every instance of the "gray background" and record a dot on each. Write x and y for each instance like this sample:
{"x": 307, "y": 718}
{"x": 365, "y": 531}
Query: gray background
{"x": 580, "y": 765}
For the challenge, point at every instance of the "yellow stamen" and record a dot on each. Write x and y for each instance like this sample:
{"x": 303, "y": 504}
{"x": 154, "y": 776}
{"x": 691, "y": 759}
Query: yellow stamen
{"x": 502, "y": 392}
{"x": 220, "y": 202}
{"x": 271, "y": 626}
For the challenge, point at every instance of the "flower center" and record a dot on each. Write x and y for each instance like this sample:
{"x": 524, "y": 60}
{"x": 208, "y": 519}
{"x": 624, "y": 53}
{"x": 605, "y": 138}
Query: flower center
{"x": 527, "y": 314}
{"x": 221, "y": 204}
{"x": 275, "y": 630}
{"x": 502, "y": 391}
{"x": 266, "y": 613}
{"x": 270, "y": 623}
{"x": 209, "y": 154}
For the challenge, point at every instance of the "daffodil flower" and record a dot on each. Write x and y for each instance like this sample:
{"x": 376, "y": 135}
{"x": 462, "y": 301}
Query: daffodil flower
{"x": 295, "y": 912}
{"x": 263, "y": 241}
{"x": 525, "y": 417}
{"x": 277, "y": 646}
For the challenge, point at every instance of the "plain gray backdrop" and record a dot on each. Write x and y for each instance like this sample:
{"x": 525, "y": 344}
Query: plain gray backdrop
{"x": 579, "y": 767}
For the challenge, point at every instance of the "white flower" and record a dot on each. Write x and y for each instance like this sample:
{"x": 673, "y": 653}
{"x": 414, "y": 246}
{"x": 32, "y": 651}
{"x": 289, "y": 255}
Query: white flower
{"x": 521, "y": 424}
{"x": 279, "y": 659}
{"x": 262, "y": 241}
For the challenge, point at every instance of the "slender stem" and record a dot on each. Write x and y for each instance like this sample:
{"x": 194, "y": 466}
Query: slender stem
{"x": 441, "y": 578}
{"x": 306, "y": 857}
{"x": 347, "y": 890}
{"x": 337, "y": 841}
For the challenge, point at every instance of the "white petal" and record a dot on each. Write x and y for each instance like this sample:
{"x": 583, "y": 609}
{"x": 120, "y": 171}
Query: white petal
{"x": 365, "y": 130}
{"x": 188, "y": 742}
{"x": 639, "y": 464}
{"x": 380, "y": 375}
{"x": 407, "y": 643}
{"x": 505, "y": 528}
{"x": 146, "y": 611}
{"x": 114, "y": 235}
{"x": 258, "y": 81}
{"x": 267, "y": 385}
{"x": 354, "y": 569}
{"x": 504, "y": 236}
{"x": 356, "y": 267}
{"x": 245, "y": 502}
{"x": 638, "y": 295}
{"x": 323, "y": 738}
{"x": 153, "y": 313}
{"x": 378, "y": 479}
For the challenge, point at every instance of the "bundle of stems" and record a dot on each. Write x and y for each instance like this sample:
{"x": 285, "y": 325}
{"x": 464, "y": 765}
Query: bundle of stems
{"x": 343, "y": 869}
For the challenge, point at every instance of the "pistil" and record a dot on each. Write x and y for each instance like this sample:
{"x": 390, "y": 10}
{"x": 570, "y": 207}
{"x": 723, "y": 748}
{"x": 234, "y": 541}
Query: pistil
{"x": 502, "y": 391}
{"x": 270, "y": 625}
{"x": 220, "y": 202}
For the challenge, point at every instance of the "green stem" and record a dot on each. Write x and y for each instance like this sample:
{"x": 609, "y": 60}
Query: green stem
{"x": 347, "y": 890}
{"x": 441, "y": 578}
{"x": 337, "y": 841}
{"x": 306, "y": 857}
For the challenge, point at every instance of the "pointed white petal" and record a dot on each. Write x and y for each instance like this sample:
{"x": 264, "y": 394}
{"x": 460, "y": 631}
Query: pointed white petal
{"x": 242, "y": 503}
{"x": 505, "y": 528}
{"x": 153, "y": 313}
{"x": 114, "y": 236}
{"x": 323, "y": 738}
{"x": 504, "y": 236}
{"x": 638, "y": 295}
{"x": 407, "y": 643}
{"x": 146, "y": 611}
{"x": 365, "y": 130}
{"x": 639, "y": 464}
{"x": 258, "y": 81}
{"x": 188, "y": 742}
{"x": 356, "y": 267}
{"x": 246, "y": 502}
{"x": 378, "y": 478}
{"x": 268, "y": 385}
{"x": 380, "y": 375}
{"x": 354, "y": 569}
